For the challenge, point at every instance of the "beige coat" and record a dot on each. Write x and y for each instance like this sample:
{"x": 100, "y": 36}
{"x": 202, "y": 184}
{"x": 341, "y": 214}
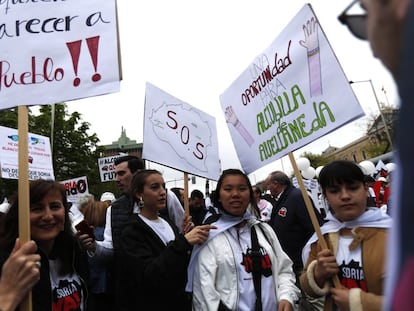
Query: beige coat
{"x": 373, "y": 242}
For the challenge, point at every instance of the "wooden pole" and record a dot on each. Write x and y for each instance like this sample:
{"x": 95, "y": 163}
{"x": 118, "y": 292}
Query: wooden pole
{"x": 119, "y": 42}
{"x": 311, "y": 212}
{"x": 186, "y": 203}
{"x": 23, "y": 189}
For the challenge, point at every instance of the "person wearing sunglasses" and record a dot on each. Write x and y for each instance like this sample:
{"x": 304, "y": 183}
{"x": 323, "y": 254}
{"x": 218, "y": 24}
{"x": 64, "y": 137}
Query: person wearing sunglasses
{"x": 389, "y": 27}
{"x": 382, "y": 24}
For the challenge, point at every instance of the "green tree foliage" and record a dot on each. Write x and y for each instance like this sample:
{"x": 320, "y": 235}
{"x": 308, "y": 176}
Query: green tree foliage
{"x": 375, "y": 150}
{"x": 75, "y": 153}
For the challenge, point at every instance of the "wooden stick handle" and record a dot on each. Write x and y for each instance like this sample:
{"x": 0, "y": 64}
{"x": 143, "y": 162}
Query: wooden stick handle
{"x": 186, "y": 203}
{"x": 23, "y": 189}
{"x": 311, "y": 211}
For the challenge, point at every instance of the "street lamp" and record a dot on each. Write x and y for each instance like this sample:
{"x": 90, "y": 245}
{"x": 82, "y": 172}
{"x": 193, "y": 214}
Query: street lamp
{"x": 379, "y": 108}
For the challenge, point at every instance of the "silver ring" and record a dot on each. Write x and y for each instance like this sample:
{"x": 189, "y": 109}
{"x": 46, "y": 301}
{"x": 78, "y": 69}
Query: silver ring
{"x": 38, "y": 264}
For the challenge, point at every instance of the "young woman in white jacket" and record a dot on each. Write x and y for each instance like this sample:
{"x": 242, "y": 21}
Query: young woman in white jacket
{"x": 221, "y": 270}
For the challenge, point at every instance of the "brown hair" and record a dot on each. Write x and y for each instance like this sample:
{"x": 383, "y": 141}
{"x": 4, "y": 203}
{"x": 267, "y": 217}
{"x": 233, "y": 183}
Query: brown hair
{"x": 95, "y": 213}
{"x": 64, "y": 242}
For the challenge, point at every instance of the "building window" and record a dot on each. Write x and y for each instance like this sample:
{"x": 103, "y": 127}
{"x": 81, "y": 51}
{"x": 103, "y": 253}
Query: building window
{"x": 364, "y": 154}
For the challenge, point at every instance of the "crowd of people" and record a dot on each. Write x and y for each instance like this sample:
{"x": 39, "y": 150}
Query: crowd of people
{"x": 225, "y": 255}
{"x": 143, "y": 251}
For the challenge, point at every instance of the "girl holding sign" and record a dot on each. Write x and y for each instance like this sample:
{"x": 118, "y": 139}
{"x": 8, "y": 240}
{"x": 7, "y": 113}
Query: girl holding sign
{"x": 356, "y": 235}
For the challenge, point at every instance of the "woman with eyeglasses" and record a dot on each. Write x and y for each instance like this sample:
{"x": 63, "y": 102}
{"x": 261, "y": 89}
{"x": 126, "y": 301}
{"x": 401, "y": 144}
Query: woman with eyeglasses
{"x": 390, "y": 30}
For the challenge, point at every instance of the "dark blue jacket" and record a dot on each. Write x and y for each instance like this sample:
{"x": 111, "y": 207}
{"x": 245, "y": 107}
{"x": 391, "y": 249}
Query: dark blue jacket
{"x": 291, "y": 222}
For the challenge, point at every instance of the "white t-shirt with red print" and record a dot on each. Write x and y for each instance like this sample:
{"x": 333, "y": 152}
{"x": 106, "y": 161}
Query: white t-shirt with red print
{"x": 67, "y": 292}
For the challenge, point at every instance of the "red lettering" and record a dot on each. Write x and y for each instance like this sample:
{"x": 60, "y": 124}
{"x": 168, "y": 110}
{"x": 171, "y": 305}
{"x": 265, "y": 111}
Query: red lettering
{"x": 170, "y": 116}
{"x": 49, "y": 74}
{"x": 266, "y": 76}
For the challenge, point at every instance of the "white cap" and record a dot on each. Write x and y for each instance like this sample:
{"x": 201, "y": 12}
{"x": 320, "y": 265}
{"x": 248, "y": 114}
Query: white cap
{"x": 382, "y": 179}
{"x": 108, "y": 196}
{"x": 4, "y": 207}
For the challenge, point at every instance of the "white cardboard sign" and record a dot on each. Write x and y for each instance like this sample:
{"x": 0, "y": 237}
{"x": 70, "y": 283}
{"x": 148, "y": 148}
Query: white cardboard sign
{"x": 54, "y": 51}
{"x": 179, "y": 136}
{"x": 294, "y": 92}
{"x": 39, "y": 155}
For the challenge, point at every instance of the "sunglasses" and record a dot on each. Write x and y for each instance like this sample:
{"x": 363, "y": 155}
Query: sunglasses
{"x": 356, "y": 23}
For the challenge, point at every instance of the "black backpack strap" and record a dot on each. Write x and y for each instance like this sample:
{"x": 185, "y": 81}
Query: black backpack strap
{"x": 257, "y": 275}
{"x": 213, "y": 217}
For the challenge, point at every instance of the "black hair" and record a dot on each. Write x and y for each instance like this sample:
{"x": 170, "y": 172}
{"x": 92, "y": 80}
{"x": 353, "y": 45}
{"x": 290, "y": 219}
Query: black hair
{"x": 134, "y": 163}
{"x": 369, "y": 178}
{"x": 340, "y": 172}
{"x": 196, "y": 194}
{"x": 232, "y": 171}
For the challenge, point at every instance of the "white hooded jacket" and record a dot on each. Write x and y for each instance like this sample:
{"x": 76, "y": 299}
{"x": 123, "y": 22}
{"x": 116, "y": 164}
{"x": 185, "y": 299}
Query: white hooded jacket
{"x": 215, "y": 275}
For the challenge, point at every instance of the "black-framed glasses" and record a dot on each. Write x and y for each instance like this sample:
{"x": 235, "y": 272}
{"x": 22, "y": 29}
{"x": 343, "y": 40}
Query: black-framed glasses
{"x": 356, "y": 23}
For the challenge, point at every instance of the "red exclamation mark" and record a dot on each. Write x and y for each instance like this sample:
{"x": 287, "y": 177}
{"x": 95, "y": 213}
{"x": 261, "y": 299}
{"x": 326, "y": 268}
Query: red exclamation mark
{"x": 93, "y": 44}
{"x": 74, "y": 49}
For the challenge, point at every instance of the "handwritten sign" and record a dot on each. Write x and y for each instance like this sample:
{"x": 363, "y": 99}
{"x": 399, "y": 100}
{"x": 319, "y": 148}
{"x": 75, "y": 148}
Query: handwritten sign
{"x": 107, "y": 168}
{"x": 53, "y": 51}
{"x": 39, "y": 157}
{"x": 290, "y": 95}
{"x": 179, "y": 136}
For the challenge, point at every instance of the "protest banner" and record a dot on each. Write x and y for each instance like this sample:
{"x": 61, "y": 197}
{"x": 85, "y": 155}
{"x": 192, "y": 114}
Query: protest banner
{"x": 39, "y": 157}
{"x": 75, "y": 187}
{"x": 180, "y": 136}
{"x": 54, "y": 51}
{"x": 290, "y": 95}
{"x": 294, "y": 92}
{"x": 107, "y": 168}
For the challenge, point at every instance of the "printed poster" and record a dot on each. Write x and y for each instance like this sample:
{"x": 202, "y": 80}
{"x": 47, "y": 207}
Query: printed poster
{"x": 39, "y": 155}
